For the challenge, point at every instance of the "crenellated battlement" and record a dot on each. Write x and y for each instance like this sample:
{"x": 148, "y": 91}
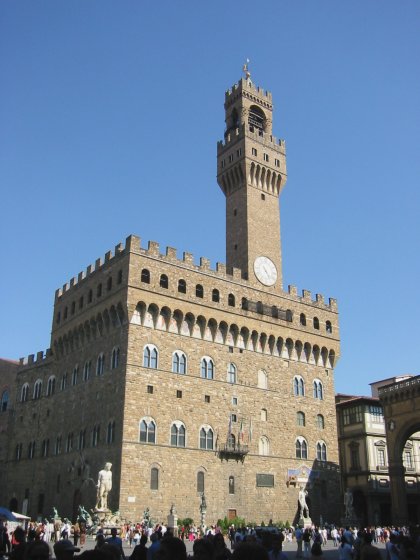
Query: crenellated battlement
{"x": 266, "y": 139}
{"x": 133, "y": 245}
{"x": 249, "y": 87}
{"x": 36, "y": 359}
{"x": 90, "y": 269}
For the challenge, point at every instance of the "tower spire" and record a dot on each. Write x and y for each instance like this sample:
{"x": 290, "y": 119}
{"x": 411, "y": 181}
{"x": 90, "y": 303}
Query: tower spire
{"x": 251, "y": 171}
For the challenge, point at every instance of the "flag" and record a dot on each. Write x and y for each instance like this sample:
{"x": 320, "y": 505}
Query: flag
{"x": 241, "y": 431}
{"x": 250, "y": 430}
{"x": 230, "y": 425}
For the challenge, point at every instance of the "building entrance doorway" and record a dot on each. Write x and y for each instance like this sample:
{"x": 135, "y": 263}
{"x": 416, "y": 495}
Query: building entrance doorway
{"x": 231, "y": 514}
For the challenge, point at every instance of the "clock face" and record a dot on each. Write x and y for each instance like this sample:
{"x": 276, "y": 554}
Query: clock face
{"x": 265, "y": 270}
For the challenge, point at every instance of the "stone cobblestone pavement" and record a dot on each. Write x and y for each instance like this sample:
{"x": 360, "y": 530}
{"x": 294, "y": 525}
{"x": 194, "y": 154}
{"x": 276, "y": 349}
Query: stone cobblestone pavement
{"x": 329, "y": 551}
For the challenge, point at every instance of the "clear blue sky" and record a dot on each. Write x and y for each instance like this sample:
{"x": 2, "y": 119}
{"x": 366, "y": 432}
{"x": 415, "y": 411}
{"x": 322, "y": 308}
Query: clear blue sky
{"x": 110, "y": 113}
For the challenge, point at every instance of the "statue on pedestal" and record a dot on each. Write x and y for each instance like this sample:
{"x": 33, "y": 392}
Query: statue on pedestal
{"x": 173, "y": 520}
{"x": 104, "y": 487}
{"x": 348, "y": 504}
{"x": 146, "y": 517}
{"x": 203, "y": 510}
{"x": 304, "y": 509}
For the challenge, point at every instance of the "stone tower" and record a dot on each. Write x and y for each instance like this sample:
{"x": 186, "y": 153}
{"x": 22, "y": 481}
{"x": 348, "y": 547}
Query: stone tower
{"x": 251, "y": 171}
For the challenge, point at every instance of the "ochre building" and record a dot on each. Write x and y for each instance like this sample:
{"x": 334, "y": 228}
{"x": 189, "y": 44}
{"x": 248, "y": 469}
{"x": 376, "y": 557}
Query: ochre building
{"x": 188, "y": 378}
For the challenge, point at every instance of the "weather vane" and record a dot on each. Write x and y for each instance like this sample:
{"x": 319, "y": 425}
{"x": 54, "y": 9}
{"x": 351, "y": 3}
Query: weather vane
{"x": 245, "y": 70}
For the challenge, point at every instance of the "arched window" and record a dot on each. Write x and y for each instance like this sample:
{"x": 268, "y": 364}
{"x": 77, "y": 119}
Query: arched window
{"x": 86, "y": 370}
{"x": 318, "y": 390}
{"x": 321, "y": 451}
{"x": 200, "y": 482}
{"x": 99, "y": 290}
{"x": 65, "y": 312}
{"x": 199, "y": 291}
{"x": 231, "y": 373}
{"x": 207, "y": 368}
{"x": 300, "y": 418}
{"x": 18, "y": 452}
{"x": 58, "y": 442}
{"x": 63, "y": 381}
{"x": 298, "y": 386}
{"x": 256, "y": 119}
{"x": 179, "y": 362}
{"x": 90, "y": 296}
{"x": 45, "y": 447}
{"x": 206, "y": 438}
{"x": 110, "y": 432}
{"x": 316, "y": 323}
{"x": 328, "y": 327}
{"x": 73, "y": 307}
{"x": 262, "y": 380}
{"x": 303, "y": 319}
{"x": 37, "y": 389}
{"x": 244, "y": 303}
{"x": 24, "y": 392}
{"x": 215, "y": 295}
{"x": 301, "y": 448}
{"x": 264, "y": 446}
{"x": 75, "y": 375}
{"x": 4, "y": 401}
{"x": 320, "y": 422}
{"x": 147, "y": 430}
{"x": 163, "y": 282}
{"x": 154, "y": 478}
{"x": 231, "y": 300}
{"x": 119, "y": 277}
{"x": 100, "y": 364}
{"x": 69, "y": 442}
{"x": 31, "y": 450}
{"x": 150, "y": 356}
{"x": 95, "y": 435}
{"x": 145, "y": 276}
{"x": 51, "y": 386}
{"x": 115, "y": 357}
{"x": 231, "y": 442}
{"x": 109, "y": 284}
{"x": 182, "y": 286}
{"x": 231, "y": 485}
{"x": 264, "y": 415}
{"x": 178, "y": 434}
{"x": 82, "y": 440}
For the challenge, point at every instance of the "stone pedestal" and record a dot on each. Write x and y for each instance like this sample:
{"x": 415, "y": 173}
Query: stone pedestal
{"x": 305, "y": 522}
{"x": 350, "y": 521}
{"x": 107, "y": 520}
{"x": 203, "y": 521}
{"x": 173, "y": 523}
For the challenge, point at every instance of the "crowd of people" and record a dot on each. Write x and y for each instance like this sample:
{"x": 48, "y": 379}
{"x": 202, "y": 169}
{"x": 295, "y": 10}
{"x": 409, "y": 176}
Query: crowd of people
{"x": 239, "y": 543}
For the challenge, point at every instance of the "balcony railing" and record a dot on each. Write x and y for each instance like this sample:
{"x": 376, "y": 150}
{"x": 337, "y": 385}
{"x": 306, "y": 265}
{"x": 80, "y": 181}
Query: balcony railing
{"x": 394, "y": 387}
{"x": 229, "y": 451}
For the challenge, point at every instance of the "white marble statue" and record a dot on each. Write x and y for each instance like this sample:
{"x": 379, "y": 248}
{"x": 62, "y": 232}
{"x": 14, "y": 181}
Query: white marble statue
{"x": 304, "y": 510}
{"x": 104, "y": 487}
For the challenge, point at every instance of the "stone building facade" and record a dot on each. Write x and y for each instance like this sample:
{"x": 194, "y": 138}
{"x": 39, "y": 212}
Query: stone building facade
{"x": 364, "y": 457}
{"x": 188, "y": 378}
